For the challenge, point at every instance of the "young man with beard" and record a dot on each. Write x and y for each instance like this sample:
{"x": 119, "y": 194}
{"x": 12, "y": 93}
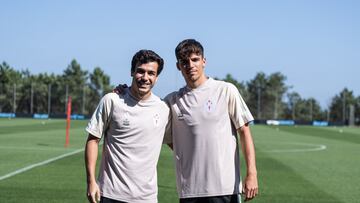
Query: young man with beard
{"x": 206, "y": 116}
{"x": 132, "y": 125}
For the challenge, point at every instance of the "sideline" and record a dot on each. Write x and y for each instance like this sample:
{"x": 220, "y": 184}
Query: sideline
{"x": 315, "y": 147}
{"x": 39, "y": 164}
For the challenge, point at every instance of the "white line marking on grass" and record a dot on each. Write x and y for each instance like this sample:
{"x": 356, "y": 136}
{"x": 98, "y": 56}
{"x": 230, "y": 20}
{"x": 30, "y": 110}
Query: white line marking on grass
{"x": 39, "y": 164}
{"x": 315, "y": 147}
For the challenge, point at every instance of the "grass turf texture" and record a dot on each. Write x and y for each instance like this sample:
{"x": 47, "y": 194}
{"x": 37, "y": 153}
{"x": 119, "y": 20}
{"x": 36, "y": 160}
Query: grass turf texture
{"x": 287, "y": 168}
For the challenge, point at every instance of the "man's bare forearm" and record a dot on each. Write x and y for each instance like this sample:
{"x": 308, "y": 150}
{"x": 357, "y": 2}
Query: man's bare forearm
{"x": 248, "y": 149}
{"x": 250, "y": 184}
{"x": 91, "y": 154}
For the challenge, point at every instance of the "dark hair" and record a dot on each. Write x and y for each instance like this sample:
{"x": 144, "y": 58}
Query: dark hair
{"x": 187, "y": 47}
{"x": 145, "y": 56}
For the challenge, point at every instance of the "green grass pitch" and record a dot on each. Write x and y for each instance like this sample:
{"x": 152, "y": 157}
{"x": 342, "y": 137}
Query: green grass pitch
{"x": 295, "y": 163}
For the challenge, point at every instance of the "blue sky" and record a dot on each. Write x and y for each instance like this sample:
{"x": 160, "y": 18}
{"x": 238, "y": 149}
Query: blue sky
{"x": 315, "y": 43}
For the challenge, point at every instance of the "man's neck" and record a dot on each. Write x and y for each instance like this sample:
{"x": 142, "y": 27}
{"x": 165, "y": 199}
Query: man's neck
{"x": 137, "y": 96}
{"x": 197, "y": 83}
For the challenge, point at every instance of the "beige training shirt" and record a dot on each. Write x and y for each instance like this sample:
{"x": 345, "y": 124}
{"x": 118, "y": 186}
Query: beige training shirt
{"x": 204, "y": 122}
{"x": 133, "y": 133}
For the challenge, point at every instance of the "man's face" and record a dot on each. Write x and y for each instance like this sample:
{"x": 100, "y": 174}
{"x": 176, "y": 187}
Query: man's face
{"x": 144, "y": 78}
{"x": 192, "y": 68}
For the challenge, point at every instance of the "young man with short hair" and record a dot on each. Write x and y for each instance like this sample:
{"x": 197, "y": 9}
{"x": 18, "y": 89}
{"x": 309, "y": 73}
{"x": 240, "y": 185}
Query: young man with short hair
{"x": 206, "y": 116}
{"x": 132, "y": 125}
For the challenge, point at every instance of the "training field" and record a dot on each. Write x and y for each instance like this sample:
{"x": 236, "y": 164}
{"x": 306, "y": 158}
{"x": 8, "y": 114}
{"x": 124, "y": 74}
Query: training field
{"x": 295, "y": 164}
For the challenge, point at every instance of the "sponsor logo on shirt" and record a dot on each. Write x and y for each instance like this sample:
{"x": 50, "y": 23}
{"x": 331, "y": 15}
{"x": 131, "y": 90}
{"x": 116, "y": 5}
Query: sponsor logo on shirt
{"x": 126, "y": 121}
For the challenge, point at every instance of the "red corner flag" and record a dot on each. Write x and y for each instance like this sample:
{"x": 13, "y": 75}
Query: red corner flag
{"x": 68, "y": 118}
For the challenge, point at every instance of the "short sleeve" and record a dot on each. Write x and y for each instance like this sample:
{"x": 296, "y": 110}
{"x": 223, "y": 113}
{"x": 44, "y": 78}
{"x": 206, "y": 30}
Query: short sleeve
{"x": 101, "y": 117}
{"x": 238, "y": 110}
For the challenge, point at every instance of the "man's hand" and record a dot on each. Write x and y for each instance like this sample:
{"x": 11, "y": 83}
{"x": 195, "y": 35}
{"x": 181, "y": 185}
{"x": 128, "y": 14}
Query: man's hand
{"x": 93, "y": 192}
{"x": 120, "y": 89}
{"x": 250, "y": 187}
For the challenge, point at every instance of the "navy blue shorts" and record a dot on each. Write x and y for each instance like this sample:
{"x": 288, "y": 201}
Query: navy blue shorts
{"x": 107, "y": 200}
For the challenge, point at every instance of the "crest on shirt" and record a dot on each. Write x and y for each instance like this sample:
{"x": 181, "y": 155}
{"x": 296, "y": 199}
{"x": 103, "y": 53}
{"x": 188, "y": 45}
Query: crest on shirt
{"x": 156, "y": 119}
{"x": 209, "y": 105}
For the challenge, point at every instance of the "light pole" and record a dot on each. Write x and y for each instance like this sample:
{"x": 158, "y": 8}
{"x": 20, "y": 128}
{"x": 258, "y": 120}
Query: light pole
{"x": 49, "y": 99}
{"x": 66, "y": 97}
{"x": 258, "y": 101}
{"x": 14, "y": 98}
{"x": 32, "y": 99}
{"x": 344, "y": 109}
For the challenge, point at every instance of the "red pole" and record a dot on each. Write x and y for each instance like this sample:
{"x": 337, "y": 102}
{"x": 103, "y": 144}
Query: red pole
{"x": 68, "y": 118}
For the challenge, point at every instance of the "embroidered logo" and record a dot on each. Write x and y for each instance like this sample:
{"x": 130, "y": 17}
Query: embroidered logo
{"x": 126, "y": 121}
{"x": 156, "y": 119}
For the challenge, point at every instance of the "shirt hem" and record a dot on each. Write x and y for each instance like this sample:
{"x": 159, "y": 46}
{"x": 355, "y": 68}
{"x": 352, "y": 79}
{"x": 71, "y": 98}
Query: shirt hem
{"x": 208, "y": 194}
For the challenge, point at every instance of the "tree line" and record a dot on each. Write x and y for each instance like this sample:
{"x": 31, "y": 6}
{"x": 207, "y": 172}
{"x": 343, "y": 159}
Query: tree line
{"x": 268, "y": 96}
{"x": 24, "y": 93}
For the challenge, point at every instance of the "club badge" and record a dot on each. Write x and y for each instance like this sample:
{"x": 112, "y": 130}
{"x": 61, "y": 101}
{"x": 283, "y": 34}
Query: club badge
{"x": 156, "y": 119}
{"x": 209, "y": 105}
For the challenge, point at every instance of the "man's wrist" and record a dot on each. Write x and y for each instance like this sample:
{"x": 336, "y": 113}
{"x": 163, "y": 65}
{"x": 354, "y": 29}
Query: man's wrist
{"x": 252, "y": 173}
{"x": 91, "y": 180}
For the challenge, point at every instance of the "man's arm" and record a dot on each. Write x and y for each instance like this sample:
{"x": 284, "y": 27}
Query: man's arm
{"x": 168, "y": 130}
{"x": 250, "y": 186}
{"x": 91, "y": 154}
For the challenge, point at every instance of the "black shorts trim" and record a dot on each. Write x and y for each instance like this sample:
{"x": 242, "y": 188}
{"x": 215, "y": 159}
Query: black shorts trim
{"x": 108, "y": 200}
{"x": 212, "y": 199}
